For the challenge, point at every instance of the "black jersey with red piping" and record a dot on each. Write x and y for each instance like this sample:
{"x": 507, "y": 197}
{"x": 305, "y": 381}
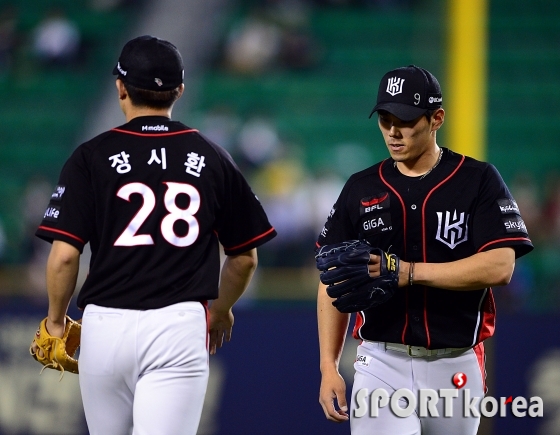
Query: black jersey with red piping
{"x": 154, "y": 199}
{"x": 462, "y": 207}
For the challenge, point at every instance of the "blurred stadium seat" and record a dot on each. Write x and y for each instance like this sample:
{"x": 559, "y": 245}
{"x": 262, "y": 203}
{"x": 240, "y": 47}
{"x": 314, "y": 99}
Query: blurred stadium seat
{"x": 45, "y": 107}
{"x": 320, "y": 110}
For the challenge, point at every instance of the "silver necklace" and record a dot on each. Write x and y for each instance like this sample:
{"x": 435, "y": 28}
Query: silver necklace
{"x": 431, "y": 169}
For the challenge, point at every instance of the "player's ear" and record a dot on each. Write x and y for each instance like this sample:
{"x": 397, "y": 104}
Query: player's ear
{"x": 121, "y": 89}
{"x": 437, "y": 119}
{"x": 181, "y": 89}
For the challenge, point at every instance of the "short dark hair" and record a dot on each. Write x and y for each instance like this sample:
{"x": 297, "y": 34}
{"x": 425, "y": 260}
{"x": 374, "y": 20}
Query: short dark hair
{"x": 152, "y": 99}
{"x": 428, "y": 114}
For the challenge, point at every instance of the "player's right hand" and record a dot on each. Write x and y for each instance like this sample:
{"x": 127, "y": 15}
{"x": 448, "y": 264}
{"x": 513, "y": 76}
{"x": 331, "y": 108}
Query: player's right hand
{"x": 221, "y": 324}
{"x": 332, "y": 397}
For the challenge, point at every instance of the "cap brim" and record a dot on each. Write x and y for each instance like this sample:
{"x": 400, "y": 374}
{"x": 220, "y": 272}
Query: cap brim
{"x": 115, "y": 71}
{"x": 402, "y": 111}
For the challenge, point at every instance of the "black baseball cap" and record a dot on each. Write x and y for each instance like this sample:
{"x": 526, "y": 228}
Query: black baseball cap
{"x": 150, "y": 63}
{"x": 408, "y": 93}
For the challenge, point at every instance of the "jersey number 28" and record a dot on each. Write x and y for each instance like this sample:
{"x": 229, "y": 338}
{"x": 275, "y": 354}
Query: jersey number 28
{"x": 129, "y": 236}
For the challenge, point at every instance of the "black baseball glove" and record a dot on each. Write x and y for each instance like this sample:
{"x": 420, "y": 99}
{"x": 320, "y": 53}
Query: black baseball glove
{"x": 344, "y": 269}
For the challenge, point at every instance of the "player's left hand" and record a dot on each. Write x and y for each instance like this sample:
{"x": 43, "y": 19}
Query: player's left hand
{"x": 221, "y": 324}
{"x": 55, "y": 344}
{"x": 54, "y": 329}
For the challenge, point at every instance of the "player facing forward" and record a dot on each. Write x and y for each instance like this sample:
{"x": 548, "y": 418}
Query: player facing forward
{"x": 154, "y": 199}
{"x": 457, "y": 231}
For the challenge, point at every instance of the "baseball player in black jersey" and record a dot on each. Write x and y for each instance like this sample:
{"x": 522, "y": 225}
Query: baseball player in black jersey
{"x": 154, "y": 199}
{"x": 456, "y": 231}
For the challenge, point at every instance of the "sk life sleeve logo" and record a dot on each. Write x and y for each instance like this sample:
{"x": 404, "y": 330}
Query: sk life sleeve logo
{"x": 454, "y": 230}
{"x": 394, "y": 86}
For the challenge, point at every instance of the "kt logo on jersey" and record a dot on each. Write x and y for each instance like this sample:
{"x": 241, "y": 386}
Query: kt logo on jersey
{"x": 453, "y": 228}
{"x": 375, "y": 202}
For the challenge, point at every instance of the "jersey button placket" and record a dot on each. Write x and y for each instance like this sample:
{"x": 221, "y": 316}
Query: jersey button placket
{"x": 415, "y": 245}
{"x": 414, "y": 241}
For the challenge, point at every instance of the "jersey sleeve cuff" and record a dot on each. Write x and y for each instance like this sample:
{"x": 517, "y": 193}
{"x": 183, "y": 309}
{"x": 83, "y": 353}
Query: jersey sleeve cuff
{"x": 52, "y": 234}
{"x": 250, "y": 244}
{"x": 521, "y": 245}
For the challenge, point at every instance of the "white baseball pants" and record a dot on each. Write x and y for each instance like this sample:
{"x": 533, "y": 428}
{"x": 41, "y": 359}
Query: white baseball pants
{"x": 390, "y": 370}
{"x": 144, "y": 372}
